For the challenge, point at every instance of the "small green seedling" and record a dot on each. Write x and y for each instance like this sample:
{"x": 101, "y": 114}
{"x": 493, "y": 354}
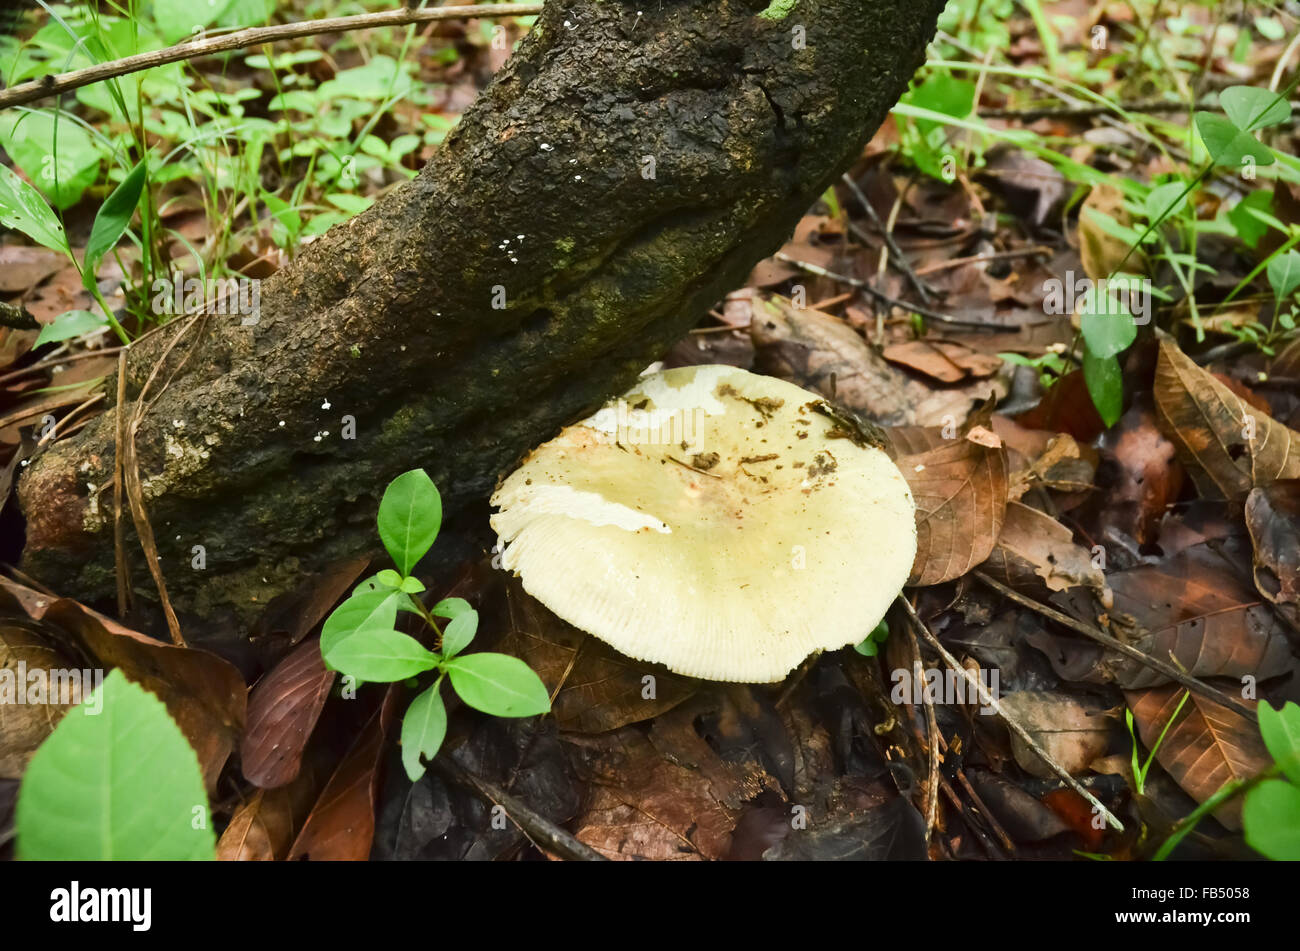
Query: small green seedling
{"x": 360, "y": 641}
{"x": 870, "y": 645}
{"x": 1140, "y": 770}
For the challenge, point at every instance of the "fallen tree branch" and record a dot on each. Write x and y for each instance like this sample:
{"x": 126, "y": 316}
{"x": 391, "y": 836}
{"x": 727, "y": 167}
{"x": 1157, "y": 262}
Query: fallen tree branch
{"x": 51, "y": 85}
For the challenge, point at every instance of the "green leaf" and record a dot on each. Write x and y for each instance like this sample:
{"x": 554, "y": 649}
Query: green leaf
{"x": 1107, "y": 326}
{"x": 62, "y": 173}
{"x": 378, "y": 656}
{"x": 870, "y": 645}
{"x": 423, "y": 729}
{"x": 1284, "y": 274}
{"x": 179, "y": 19}
{"x": 389, "y": 578}
{"x": 1227, "y": 144}
{"x": 459, "y": 632}
{"x": 450, "y": 607}
{"x": 1165, "y": 200}
{"x": 1270, "y": 818}
{"x": 112, "y": 220}
{"x": 1250, "y": 108}
{"x": 121, "y": 783}
{"x": 1105, "y": 385}
{"x": 72, "y": 323}
{"x": 498, "y": 684}
{"x": 942, "y": 92}
{"x": 22, "y": 208}
{"x": 411, "y": 586}
{"x": 1249, "y": 227}
{"x": 369, "y": 610}
{"x": 1281, "y": 732}
{"x": 410, "y": 515}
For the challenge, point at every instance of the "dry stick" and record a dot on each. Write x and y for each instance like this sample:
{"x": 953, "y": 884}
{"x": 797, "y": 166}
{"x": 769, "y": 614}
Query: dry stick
{"x": 57, "y": 361}
{"x": 883, "y": 298}
{"x": 55, "y": 432}
{"x": 895, "y": 252}
{"x": 131, "y": 475}
{"x": 543, "y": 833}
{"x": 1155, "y": 663}
{"x": 988, "y": 700}
{"x": 50, "y": 85}
{"x": 1000, "y": 832}
{"x": 119, "y": 486}
{"x": 932, "y": 737}
{"x": 988, "y": 256}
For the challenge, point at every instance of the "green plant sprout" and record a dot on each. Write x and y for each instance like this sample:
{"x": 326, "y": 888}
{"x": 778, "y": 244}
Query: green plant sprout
{"x": 1140, "y": 770}
{"x": 870, "y": 645}
{"x": 360, "y": 641}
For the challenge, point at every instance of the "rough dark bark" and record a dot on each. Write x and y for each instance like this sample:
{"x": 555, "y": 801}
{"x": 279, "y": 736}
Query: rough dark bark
{"x": 390, "y": 319}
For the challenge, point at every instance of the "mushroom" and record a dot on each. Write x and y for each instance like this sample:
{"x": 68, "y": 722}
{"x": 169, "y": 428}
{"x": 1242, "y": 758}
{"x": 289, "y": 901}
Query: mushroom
{"x": 719, "y": 522}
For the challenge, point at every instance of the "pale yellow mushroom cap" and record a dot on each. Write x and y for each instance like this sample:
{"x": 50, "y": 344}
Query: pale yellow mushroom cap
{"x": 710, "y": 521}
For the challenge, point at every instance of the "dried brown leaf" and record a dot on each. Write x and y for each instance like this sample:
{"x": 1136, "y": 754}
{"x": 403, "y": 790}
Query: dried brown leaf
{"x": 282, "y": 712}
{"x": 960, "y": 490}
{"x": 204, "y": 693}
{"x": 1228, "y": 446}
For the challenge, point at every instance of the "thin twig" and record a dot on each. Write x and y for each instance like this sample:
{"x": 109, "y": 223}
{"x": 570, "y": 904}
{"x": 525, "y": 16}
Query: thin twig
{"x": 51, "y": 85}
{"x": 1155, "y": 663}
{"x": 996, "y": 826}
{"x": 988, "y": 700}
{"x": 895, "y": 252}
{"x": 119, "y": 488}
{"x": 544, "y": 833}
{"x": 987, "y": 256}
{"x": 882, "y": 297}
{"x": 932, "y": 738}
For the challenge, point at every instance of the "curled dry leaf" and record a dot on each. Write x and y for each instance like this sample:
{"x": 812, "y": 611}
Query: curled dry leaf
{"x": 1034, "y": 547}
{"x": 204, "y": 693}
{"x": 960, "y": 489}
{"x": 263, "y": 829}
{"x": 1273, "y": 518}
{"x": 282, "y": 712}
{"x": 25, "y": 725}
{"x": 1064, "y": 465}
{"x": 1227, "y": 445}
{"x": 1207, "y": 746}
{"x": 1072, "y": 733}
